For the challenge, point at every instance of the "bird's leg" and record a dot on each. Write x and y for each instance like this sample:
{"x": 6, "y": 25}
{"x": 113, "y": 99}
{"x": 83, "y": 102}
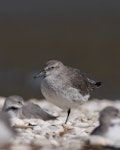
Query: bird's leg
{"x": 68, "y": 113}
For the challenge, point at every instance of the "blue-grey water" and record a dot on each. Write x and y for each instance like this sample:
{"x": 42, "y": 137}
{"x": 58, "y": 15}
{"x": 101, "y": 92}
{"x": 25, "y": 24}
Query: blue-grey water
{"x": 83, "y": 34}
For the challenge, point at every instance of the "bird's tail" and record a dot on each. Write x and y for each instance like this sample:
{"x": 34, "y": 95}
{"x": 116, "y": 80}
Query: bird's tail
{"x": 94, "y": 84}
{"x": 98, "y": 84}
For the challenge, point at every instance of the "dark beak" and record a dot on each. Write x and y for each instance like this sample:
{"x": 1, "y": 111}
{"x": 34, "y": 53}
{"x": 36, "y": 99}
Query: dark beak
{"x": 39, "y": 75}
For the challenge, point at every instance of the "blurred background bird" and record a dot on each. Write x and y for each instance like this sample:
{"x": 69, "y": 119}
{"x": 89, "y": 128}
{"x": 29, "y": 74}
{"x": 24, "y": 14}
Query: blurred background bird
{"x": 15, "y": 107}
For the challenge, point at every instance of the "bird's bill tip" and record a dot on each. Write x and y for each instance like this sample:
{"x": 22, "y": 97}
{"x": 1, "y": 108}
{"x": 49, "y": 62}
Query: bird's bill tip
{"x": 99, "y": 83}
{"x": 38, "y": 75}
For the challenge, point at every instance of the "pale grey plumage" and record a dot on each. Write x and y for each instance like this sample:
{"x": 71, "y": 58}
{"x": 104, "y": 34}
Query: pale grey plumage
{"x": 15, "y": 106}
{"x": 109, "y": 124}
{"x": 35, "y": 111}
{"x": 12, "y": 105}
{"x": 64, "y": 86}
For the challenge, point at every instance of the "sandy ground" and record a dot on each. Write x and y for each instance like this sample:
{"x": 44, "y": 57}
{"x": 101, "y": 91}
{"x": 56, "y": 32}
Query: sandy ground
{"x": 54, "y": 134}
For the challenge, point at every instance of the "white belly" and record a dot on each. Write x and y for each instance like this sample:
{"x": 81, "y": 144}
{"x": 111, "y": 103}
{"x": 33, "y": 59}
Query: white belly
{"x": 5, "y": 134}
{"x": 113, "y": 133}
{"x": 62, "y": 97}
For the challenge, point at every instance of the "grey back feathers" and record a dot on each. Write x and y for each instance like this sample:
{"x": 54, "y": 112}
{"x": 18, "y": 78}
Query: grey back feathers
{"x": 31, "y": 110}
{"x": 80, "y": 81}
{"x": 71, "y": 76}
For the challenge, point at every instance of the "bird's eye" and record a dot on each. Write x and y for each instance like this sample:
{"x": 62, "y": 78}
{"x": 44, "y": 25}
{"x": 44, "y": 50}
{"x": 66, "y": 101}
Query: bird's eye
{"x": 19, "y": 102}
{"x": 52, "y": 67}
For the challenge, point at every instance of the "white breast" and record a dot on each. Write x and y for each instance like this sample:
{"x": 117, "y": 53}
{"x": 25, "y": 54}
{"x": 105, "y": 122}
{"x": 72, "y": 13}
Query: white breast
{"x": 60, "y": 95}
{"x": 5, "y": 134}
{"x": 113, "y": 132}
